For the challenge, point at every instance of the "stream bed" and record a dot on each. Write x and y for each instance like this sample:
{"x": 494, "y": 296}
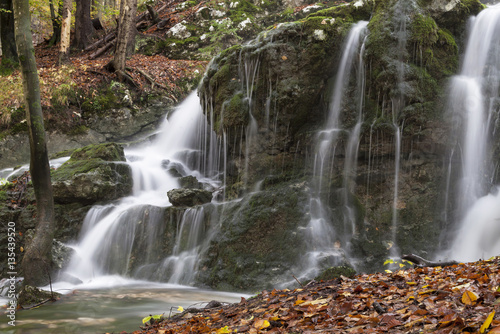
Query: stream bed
{"x": 110, "y": 310}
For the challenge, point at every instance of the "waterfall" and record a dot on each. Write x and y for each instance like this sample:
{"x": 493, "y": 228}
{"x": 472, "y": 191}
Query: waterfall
{"x": 133, "y": 231}
{"x": 325, "y": 246}
{"x": 474, "y": 104}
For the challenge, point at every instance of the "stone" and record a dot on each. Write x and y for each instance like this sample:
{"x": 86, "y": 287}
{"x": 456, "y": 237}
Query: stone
{"x": 189, "y": 197}
{"x": 92, "y": 174}
{"x": 61, "y": 254}
{"x": 179, "y": 31}
{"x": 190, "y": 182}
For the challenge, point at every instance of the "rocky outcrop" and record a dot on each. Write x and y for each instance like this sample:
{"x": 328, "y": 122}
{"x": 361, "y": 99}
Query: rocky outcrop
{"x": 189, "y": 197}
{"x": 278, "y": 88}
{"x": 92, "y": 174}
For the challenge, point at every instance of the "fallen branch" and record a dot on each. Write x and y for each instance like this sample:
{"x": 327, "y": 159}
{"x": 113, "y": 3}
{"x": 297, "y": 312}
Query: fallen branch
{"x": 152, "y": 81}
{"x": 102, "y": 50}
{"x": 421, "y": 262}
{"x": 41, "y": 303}
{"x": 106, "y": 39}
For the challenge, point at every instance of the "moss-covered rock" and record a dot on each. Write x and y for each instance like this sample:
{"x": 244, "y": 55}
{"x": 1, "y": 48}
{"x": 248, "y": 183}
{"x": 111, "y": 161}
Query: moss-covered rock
{"x": 336, "y": 272}
{"x": 258, "y": 244}
{"x": 189, "y": 197}
{"x": 92, "y": 174}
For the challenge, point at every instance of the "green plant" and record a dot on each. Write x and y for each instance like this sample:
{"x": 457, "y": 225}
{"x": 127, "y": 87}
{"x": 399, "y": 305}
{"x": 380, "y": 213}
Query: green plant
{"x": 397, "y": 263}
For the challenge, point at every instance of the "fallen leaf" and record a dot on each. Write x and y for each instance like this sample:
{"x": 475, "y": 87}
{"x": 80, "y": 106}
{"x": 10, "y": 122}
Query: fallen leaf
{"x": 469, "y": 297}
{"x": 487, "y": 322}
{"x": 261, "y": 324}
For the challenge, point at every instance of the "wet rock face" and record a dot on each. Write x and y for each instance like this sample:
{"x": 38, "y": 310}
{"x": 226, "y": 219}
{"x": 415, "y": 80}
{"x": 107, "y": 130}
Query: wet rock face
{"x": 277, "y": 89}
{"x": 92, "y": 174}
{"x": 259, "y": 242}
{"x": 189, "y": 197}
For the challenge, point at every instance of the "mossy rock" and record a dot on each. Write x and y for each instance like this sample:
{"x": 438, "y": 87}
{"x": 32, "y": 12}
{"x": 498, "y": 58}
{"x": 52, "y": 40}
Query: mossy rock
{"x": 92, "y": 174}
{"x": 258, "y": 243}
{"x": 336, "y": 272}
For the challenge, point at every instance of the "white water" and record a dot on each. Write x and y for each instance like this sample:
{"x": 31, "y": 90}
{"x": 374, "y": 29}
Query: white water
{"x": 325, "y": 246}
{"x": 110, "y": 232}
{"x": 474, "y": 99}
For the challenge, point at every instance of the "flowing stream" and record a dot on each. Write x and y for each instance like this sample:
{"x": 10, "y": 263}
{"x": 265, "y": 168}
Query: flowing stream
{"x": 109, "y": 310}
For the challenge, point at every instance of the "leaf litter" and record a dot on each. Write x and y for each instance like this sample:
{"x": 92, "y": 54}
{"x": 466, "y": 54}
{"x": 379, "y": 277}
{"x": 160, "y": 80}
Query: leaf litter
{"x": 462, "y": 298}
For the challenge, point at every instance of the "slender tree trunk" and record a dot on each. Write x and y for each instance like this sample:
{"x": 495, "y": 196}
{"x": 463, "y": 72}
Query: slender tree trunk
{"x": 65, "y": 32}
{"x": 7, "y": 37}
{"x": 56, "y": 23}
{"x": 83, "y": 24}
{"x": 36, "y": 261}
{"x": 126, "y": 33}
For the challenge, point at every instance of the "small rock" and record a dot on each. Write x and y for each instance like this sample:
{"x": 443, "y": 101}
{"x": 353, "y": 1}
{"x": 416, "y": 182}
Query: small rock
{"x": 189, "y": 197}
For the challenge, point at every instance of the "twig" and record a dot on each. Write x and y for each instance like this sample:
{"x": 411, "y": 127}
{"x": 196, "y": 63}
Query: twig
{"x": 41, "y": 303}
{"x": 302, "y": 285}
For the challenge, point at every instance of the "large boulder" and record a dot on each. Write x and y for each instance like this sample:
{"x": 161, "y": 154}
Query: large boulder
{"x": 94, "y": 173}
{"x": 189, "y": 197}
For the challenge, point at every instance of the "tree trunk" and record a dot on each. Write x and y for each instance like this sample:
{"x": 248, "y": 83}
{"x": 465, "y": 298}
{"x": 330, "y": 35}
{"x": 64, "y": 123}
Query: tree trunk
{"x": 37, "y": 258}
{"x": 126, "y": 34}
{"x": 7, "y": 37}
{"x": 65, "y": 32}
{"x": 56, "y": 23}
{"x": 83, "y": 24}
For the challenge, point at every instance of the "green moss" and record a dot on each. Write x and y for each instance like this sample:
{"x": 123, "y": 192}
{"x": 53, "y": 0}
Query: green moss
{"x": 107, "y": 99}
{"x": 348, "y": 12}
{"x": 336, "y": 272}
{"x": 424, "y": 30}
{"x": 61, "y": 154}
{"x": 236, "y": 111}
{"x": 106, "y": 152}
{"x": 78, "y": 130}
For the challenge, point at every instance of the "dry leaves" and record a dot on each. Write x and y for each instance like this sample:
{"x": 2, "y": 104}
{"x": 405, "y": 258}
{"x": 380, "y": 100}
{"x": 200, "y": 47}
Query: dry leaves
{"x": 462, "y": 298}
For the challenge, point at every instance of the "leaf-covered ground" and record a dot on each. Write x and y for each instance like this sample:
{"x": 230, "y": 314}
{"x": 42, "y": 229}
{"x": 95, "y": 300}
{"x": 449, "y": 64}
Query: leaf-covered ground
{"x": 463, "y": 298}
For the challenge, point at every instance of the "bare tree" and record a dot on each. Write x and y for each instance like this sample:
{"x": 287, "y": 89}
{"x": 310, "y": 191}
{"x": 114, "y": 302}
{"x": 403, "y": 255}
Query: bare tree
{"x": 65, "y": 32}
{"x": 126, "y": 34}
{"x": 36, "y": 261}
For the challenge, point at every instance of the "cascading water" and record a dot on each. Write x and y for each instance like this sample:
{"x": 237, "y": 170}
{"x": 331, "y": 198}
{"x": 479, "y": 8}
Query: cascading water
{"x": 323, "y": 241}
{"x": 114, "y": 236}
{"x": 402, "y": 11}
{"x": 475, "y": 104}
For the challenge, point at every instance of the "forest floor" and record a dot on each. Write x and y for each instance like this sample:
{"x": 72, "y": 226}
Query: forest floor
{"x": 463, "y": 298}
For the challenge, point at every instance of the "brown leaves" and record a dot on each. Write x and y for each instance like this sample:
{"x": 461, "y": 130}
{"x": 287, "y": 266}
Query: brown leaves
{"x": 458, "y": 298}
{"x": 469, "y": 297}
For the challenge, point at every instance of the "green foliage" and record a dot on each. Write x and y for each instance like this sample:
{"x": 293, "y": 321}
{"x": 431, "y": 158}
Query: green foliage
{"x": 105, "y": 100}
{"x": 151, "y": 319}
{"x": 397, "y": 263}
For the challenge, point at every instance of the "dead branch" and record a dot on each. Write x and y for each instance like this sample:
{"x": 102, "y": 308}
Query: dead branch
{"x": 421, "y": 262}
{"x": 102, "y": 41}
{"x": 148, "y": 77}
{"x": 102, "y": 50}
